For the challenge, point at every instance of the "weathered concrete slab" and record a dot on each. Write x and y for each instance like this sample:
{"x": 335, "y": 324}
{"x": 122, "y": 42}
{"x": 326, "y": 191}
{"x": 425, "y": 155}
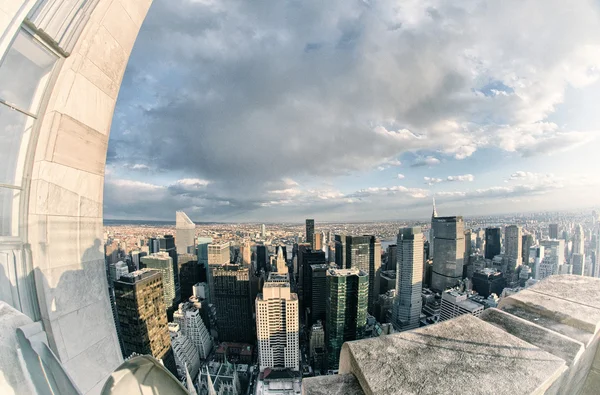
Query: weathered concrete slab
{"x": 556, "y": 344}
{"x": 578, "y": 289}
{"x": 339, "y": 384}
{"x": 463, "y": 354}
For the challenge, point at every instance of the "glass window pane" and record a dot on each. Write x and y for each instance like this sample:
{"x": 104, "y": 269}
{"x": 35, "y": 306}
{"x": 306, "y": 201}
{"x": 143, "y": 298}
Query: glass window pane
{"x": 24, "y": 72}
{"x": 9, "y": 212}
{"x": 15, "y": 129}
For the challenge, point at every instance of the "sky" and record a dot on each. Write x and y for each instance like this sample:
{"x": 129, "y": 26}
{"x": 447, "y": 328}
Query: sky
{"x": 357, "y": 110}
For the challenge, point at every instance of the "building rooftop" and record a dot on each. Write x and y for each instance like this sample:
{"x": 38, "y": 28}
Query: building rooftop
{"x": 138, "y": 275}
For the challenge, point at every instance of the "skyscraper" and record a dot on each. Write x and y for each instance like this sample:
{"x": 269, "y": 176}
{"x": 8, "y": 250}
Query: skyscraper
{"x": 374, "y": 271}
{"x": 358, "y": 255}
{"x": 492, "y": 242}
{"x": 277, "y": 325}
{"x": 262, "y": 258}
{"x": 340, "y": 251}
{"x": 347, "y": 298}
{"x": 578, "y": 262}
{"x": 553, "y": 231}
{"x": 554, "y": 258}
{"x": 317, "y": 289}
{"x": 514, "y": 249}
{"x": 189, "y": 318}
{"x": 184, "y": 351}
{"x": 189, "y": 274}
{"x": 449, "y": 252}
{"x": 281, "y": 261}
{"x": 391, "y": 257}
{"x": 455, "y": 303}
{"x": 142, "y": 316}
{"x": 219, "y": 254}
{"x": 308, "y": 257}
{"x": 167, "y": 244}
{"x": 231, "y": 296}
{"x": 318, "y": 241}
{"x": 409, "y": 279}
{"x": 578, "y": 240}
{"x": 310, "y": 232}
{"x": 246, "y": 252}
{"x": 488, "y": 281}
{"x": 162, "y": 262}
{"x": 185, "y": 233}
{"x": 526, "y": 244}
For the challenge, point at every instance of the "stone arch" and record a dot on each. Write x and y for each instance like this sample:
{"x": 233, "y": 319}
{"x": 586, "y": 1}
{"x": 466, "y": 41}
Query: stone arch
{"x": 64, "y": 204}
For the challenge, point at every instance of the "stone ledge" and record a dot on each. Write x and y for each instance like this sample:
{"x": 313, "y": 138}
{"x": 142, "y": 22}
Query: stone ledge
{"x": 556, "y": 344}
{"x": 465, "y": 352}
{"x": 338, "y": 384}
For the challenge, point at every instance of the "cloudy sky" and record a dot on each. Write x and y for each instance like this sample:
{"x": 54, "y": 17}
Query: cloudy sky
{"x": 357, "y": 110}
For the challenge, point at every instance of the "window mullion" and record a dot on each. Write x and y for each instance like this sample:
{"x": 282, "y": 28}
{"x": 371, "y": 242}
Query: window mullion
{"x": 14, "y": 107}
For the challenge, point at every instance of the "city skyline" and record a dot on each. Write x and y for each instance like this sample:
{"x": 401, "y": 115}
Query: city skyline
{"x": 356, "y": 111}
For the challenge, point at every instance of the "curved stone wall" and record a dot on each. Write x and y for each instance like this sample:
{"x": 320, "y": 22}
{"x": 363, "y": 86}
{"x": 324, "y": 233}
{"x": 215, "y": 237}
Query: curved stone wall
{"x": 64, "y": 225}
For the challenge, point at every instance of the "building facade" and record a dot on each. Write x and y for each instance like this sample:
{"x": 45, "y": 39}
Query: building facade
{"x": 310, "y": 232}
{"x": 514, "y": 246}
{"x": 185, "y": 233}
{"x": 346, "y": 315}
{"x": 278, "y": 325}
{"x": 142, "y": 315}
{"x": 409, "y": 275}
{"x": 162, "y": 262}
{"x": 448, "y": 252}
{"x": 456, "y": 303}
{"x": 493, "y": 246}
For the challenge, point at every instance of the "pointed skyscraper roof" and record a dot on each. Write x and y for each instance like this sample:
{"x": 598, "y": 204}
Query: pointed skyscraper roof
{"x": 209, "y": 383}
{"x": 190, "y": 384}
{"x": 434, "y": 213}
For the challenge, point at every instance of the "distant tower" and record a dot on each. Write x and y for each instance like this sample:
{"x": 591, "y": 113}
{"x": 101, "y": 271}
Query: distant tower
{"x": 434, "y": 215}
{"x": 310, "y": 231}
{"x": 578, "y": 262}
{"x": 277, "y": 325}
{"x": 514, "y": 248}
{"x": 578, "y": 240}
{"x": 364, "y": 253}
{"x": 263, "y": 231}
{"x": 553, "y": 231}
{"x": 492, "y": 242}
{"x": 281, "y": 262}
{"x": 162, "y": 262}
{"x": 185, "y": 233}
{"x": 347, "y": 291}
{"x": 142, "y": 316}
{"x": 449, "y": 252}
{"x": 526, "y": 244}
{"x": 246, "y": 253}
{"x": 409, "y": 279}
{"x": 318, "y": 241}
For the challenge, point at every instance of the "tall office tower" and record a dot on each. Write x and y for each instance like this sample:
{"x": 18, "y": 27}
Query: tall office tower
{"x": 331, "y": 252}
{"x": 391, "y": 257}
{"x": 578, "y": 262}
{"x": 526, "y": 244}
{"x": 142, "y": 316}
{"x": 310, "y": 232}
{"x": 492, "y": 242}
{"x": 358, "y": 255}
{"x": 262, "y": 258}
{"x": 135, "y": 258}
{"x": 340, "y": 251}
{"x": 468, "y": 246}
{"x": 162, "y": 262}
{"x": 309, "y": 257}
{"x": 246, "y": 252}
{"x": 456, "y": 303}
{"x": 578, "y": 240}
{"x": 346, "y": 315}
{"x": 514, "y": 249}
{"x": 189, "y": 318}
{"x": 277, "y": 325}
{"x": 318, "y": 241}
{"x": 185, "y": 233}
{"x": 409, "y": 279}
{"x": 488, "y": 281}
{"x": 316, "y": 289}
{"x": 553, "y": 231}
{"x": 219, "y": 254}
{"x": 231, "y": 296}
{"x": 374, "y": 271}
{"x": 536, "y": 257}
{"x": 167, "y": 244}
{"x": 449, "y": 252}
{"x": 554, "y": 258}
{"x": 189, "y": 274}
{"x": 263, "y": 231}
{"x": 316, "y": 349}
{"x": 185, "y": 353}
{"x": 280, "y": 261}
{"x": 434, "y": 215}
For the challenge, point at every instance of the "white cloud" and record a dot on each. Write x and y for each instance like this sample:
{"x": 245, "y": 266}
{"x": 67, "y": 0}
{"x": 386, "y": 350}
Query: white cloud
{"x": 432, "y": 180}
{"x": 400, "y": 176}
{"x": 140, "y": 166}
{"x": 463, "y": 178}
{"x": 427, "y": 161}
